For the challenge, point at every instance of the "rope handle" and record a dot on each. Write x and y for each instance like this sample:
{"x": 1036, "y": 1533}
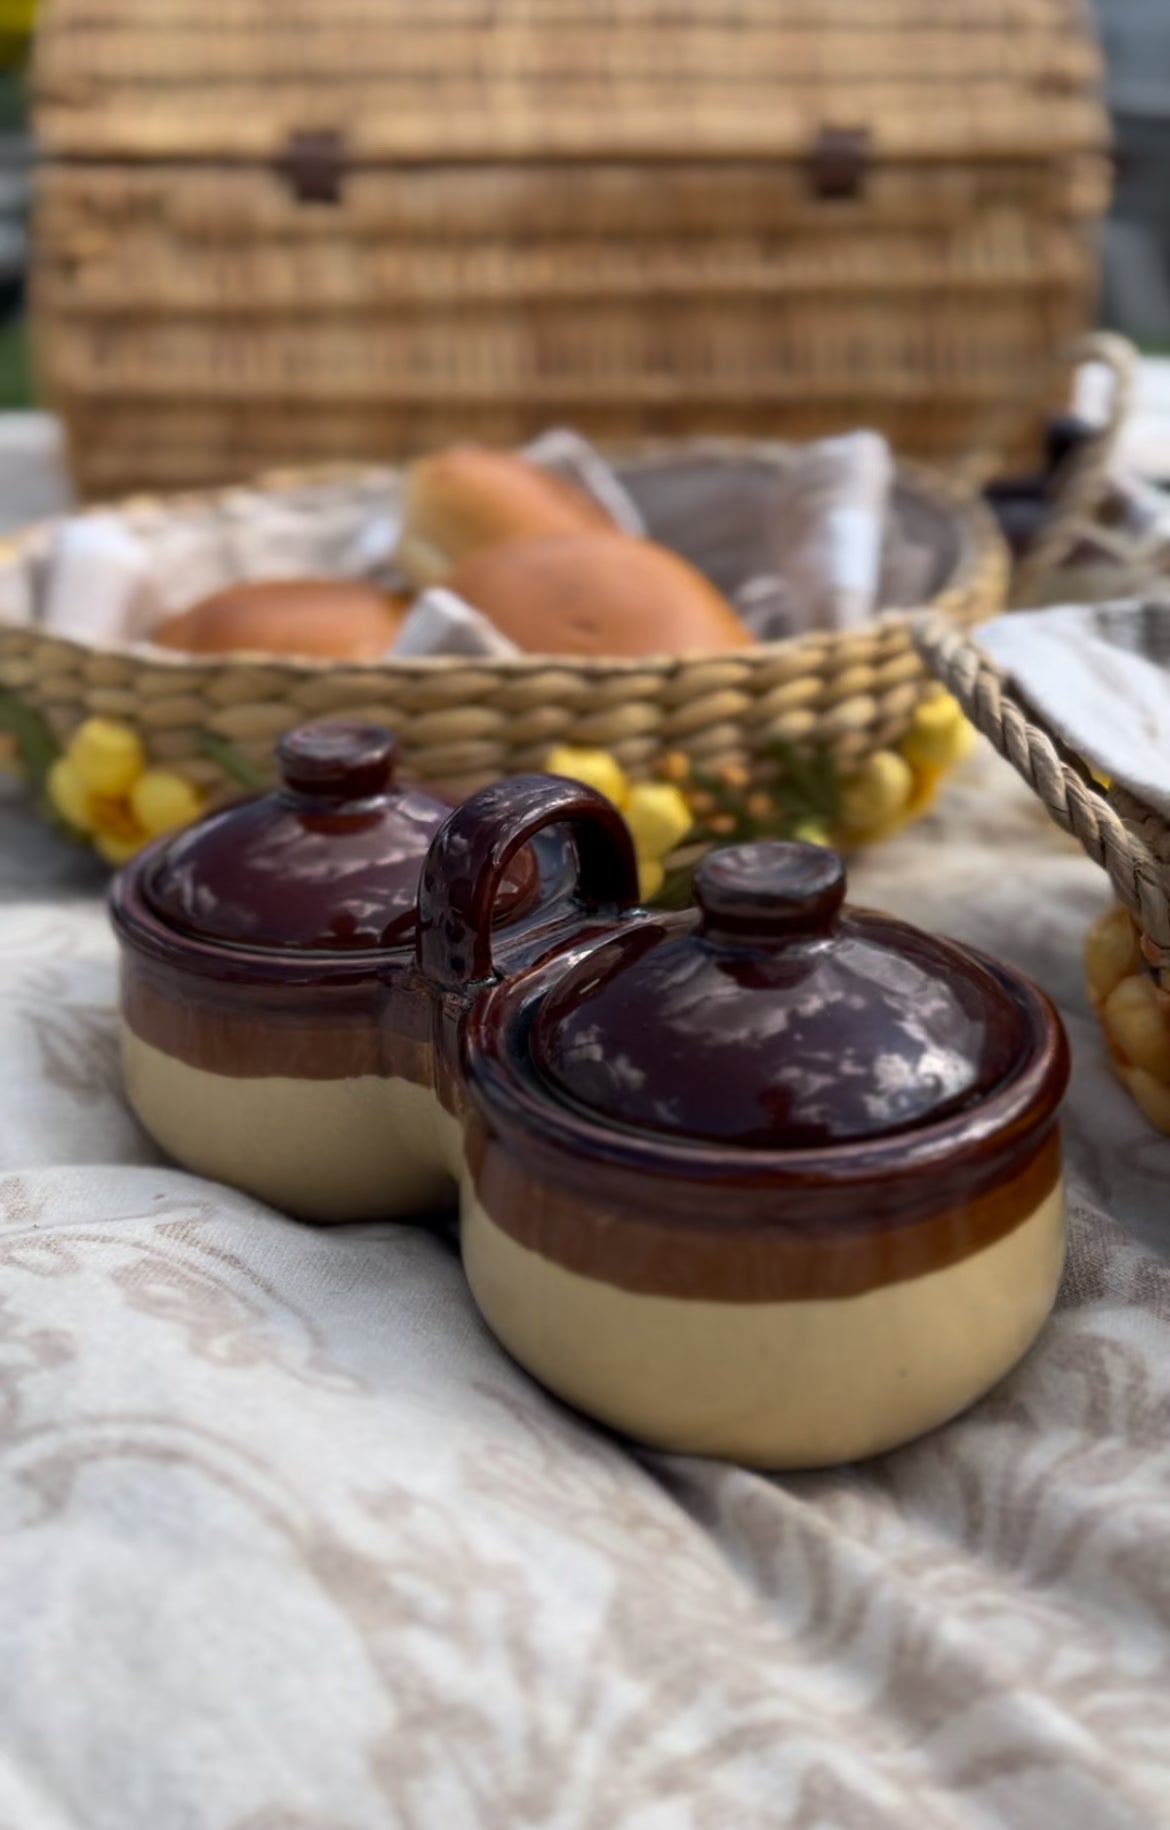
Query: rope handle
{"x": 986, "y": 694}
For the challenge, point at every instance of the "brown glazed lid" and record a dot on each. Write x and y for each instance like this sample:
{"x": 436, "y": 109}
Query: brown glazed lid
{"x": 782, "y": 1021}
{"x": 329, "y": 861}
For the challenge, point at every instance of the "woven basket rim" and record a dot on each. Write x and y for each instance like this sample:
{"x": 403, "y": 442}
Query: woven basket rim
{"x": 108, "y": 77}
{"x": 1108, "y": 827}
{"x": 979, "y": 542}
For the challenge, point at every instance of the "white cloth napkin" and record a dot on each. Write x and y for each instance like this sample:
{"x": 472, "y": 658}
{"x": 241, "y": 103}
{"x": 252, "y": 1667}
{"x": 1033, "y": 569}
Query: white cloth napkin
{"x": 829, "y": 530}
{"x": 100, "y": 587}
{"x": 572, "y": 458}
{"x": 440, "y": 623}
{"x": 1108, "y": 703}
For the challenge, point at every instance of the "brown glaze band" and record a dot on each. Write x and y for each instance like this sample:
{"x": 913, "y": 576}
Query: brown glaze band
{"x": 788, "y": 1253}
{"x": 340, "y": 1034}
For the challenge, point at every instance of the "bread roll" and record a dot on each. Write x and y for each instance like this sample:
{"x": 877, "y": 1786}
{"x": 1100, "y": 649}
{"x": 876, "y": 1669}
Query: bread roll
{"x": 467, "y": 498}
{"x": 340, "y": 619}
{"x": 598, "y": 594}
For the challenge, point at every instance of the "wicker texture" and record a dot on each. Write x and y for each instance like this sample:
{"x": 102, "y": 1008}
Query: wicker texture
{"x": 1127, "y": 839}
{"x": 1127, "y": 952}
{"x": 462, "y": 723}
{"x": 552, "y": 210}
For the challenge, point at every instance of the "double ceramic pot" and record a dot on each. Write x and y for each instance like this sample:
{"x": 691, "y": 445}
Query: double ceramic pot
{"x": 773, "y": 1179}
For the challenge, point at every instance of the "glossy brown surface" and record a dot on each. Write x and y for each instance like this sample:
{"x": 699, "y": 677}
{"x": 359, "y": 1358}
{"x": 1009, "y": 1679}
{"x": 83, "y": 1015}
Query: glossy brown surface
{"x": 473, "y": 856}
{"x": 329, "y": 862}
{"x": 672, "y": 1216}
{"x": 331, "y": 1029}
{"x": 703, "y": 1243}
{"x": 780, "y": 1022}
{"x": 322, "y": 1014}
{"x": 325, "y": 1016}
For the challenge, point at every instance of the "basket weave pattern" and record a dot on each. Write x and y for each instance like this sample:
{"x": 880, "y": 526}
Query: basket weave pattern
{"x": 1127, "y": 951}
{"x": 462, "y": 722}
{"x": 635, "y": 219}
{"x": 1129, "y": 840}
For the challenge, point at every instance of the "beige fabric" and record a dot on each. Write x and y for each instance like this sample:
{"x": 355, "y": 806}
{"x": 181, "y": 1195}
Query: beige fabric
{"x": 287, "y": 1544}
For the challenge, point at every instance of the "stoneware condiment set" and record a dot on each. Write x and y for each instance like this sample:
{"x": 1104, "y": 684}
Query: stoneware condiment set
{"x": 772, "y": 1179}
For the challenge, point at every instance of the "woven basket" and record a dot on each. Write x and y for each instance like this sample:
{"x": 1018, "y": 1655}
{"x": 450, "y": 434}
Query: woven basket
{"x": 353, "y": 231}
{"x": 1127, "y": 968}
{"x": 1128, "y": 839}
{"x": 462, "y": 723}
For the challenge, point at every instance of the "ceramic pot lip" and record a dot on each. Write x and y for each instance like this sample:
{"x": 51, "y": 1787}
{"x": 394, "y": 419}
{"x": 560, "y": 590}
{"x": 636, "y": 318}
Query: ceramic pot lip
{"x": 141, "y": 930}
{"x": 499, "y": 1077}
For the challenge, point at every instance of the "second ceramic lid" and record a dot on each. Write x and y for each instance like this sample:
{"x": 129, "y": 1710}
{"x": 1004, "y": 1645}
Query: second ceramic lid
{"x": 330, "y": 861}
{"x": 783, "y": 1021}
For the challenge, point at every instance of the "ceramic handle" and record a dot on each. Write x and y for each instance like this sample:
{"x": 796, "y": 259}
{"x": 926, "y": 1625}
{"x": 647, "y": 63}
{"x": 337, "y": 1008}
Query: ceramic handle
{"x": 469, "y": 855}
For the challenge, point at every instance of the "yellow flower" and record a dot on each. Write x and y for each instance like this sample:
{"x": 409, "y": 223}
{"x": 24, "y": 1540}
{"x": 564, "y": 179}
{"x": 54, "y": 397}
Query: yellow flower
{"x": 658, "y": 817}
{"x": 924, "y": 787}
{"x": 878, "y": 793}
{"x": 162, "y": 801}
{"x": 1136, "y": 1018}
{"x": 102, "y": 787}
{"x": 893, "y": 787}
{"x": 651, "y": 877}
{"x": 107, "y": 756}
{"x": 1112, "y": 953}
{"x": 118, "y": 849}
{"x": 939, "y": 734}
{"x": 596, "y": 768}
{"x": 655, "y": 812}
{"x": 69, "y": 795}
{"x": 927, "y": 782}
{"x": 117, "y": 835}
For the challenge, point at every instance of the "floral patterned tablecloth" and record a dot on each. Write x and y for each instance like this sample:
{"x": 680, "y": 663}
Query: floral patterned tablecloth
{"x": 286, "y": 1543}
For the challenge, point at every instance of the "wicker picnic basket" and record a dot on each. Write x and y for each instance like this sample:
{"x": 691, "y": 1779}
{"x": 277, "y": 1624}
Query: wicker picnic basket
{"x": 463, "y": 722}
{"x": 347, "y": 232}
{"x": 1129, "y": 840}
{"x": 1127, "y": 954}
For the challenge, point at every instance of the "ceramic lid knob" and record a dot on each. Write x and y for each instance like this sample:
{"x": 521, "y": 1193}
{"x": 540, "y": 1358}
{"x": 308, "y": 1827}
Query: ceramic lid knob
{"x": 338, "y": 761}
{"x": 765, "y": 892}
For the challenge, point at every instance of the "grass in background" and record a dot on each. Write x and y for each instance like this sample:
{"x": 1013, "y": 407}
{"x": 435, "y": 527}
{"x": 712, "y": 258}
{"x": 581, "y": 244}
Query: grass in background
{"x": 15, "y": 366}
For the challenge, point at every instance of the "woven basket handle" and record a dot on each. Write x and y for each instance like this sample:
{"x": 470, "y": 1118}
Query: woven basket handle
{"x": 1004, "y": 422}
{"x": 470, "y": 854}
{"x": 990, "y": 702}
{"x": 1084, "y": 478}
